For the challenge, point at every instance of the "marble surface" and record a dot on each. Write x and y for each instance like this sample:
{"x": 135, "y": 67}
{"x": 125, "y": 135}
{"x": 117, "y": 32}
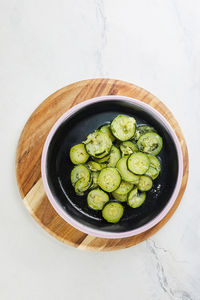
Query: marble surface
{"x": 46, "y": 45}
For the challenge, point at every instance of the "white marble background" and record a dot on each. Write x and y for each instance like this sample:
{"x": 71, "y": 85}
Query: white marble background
{"x": 45, "y": 45}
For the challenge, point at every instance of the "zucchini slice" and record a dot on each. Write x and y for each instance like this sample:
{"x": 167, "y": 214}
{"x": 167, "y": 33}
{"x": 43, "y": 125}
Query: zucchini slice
{"x": 128, "y": 148}
{"x": 145, "y": 183}
{"x": 79, "y": 172}
{"x": 123, "y": 127}
{"x": 152, "y": 172}
{"x": 112, "y": 212}
{"x": 106, "y": 129}
{"x": 142, "y": 129}
{"x": 150, "y": 143}
{"x": 94, "y": 176}
{"x": 93, "y": 166}
{"x": 81, "y": 186}
{"x": 78, "y": 154}
{"x": 138, "y": 163}
{"x": 135, "y": 199}
{"x": 125, "y": 173}
{"x": 109, "y": 179}
{"x": 124, "y": 188}
{"x": 119, "y": 197}
{"x": 98, "y": 144}
{"x": 154, "y": 162}
{"x": 102, "y": 160}
{"x": 115, "y": 155}
{"x": 96, "y": 199}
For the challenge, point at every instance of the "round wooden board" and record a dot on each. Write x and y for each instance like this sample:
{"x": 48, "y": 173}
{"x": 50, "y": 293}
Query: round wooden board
{"x": 28, "y": 160}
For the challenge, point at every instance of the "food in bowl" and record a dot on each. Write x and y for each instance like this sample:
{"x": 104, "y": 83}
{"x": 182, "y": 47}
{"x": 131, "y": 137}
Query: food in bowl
{"x": 116, "y": 165}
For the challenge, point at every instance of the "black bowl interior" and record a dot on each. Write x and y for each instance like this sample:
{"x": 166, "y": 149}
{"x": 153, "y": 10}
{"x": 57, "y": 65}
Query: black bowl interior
{"x": 73, "y": 131}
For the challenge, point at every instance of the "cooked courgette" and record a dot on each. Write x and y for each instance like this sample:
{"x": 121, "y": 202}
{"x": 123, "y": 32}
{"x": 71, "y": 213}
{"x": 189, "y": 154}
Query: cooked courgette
{"x": 125, "y": 173}
{"x": 78, "y": 154}
{"x": 142, "y": 129}
{"x": 96, "y": 199}
{"x": 112, "y": 212}
{"x": 150, "y": 143}
{"x": 135, "y": 199}
{"x": 94, "y": 176}
{"x": 109, "y": 179}
{"x": 145, "y": 183}
{"x": 115, "y": 155}
{"x": 106, "y": 129}
{"x": 124, "y": 188}
{"x": 81, "y": 186}
{"x": 138, "y": 163}
{"x": 93, "y": 166}
{"x": 155, "y": 167}
{"x": 119, "y": 197}
{"x": 152, "y": 172}
{"x": 80, "y": 172}
{"x": 98, "y": 144}
{"x": 128, "y": 148}
{"x": 123, "y": 127}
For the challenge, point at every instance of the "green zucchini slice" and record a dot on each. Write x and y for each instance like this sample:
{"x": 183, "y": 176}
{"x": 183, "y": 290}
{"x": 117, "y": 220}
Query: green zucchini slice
{"x": 106, "y": 129}
{"x": 109, "y": 179}
{"x": 93, "y": 166}
{"x": 119, "y": 197}
{"x": 145, "y": 183}
{"x": 78, "y": 154}
{"x": 150, "y": 143}
{"x": 123, "y": 127}
{"x": 96, "y": 199}
{"x": 94, "y": 176}
{"x": 142, "y": 129}
{"x": 135, "y": 199}
{"x": 152, "y": 172}
{"x": 128, "y": 148}
{"x": 138, "y": 163}
{"x": 113, "y": 212}
{"x": 79, "y": 172}
{"x": 115, "y": 155}
{"x": 154, "y": 162}
{"x": 124, "y": 188}
{"x": 98, "y": 144}
{"x": 102, "y": 160}
{"x": 125, "y": 173}
{"x": 81, "y": 186}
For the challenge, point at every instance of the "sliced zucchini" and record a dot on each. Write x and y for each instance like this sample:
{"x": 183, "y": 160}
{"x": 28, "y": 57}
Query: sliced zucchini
{"x": 79, "y": 172}
{"x": 102, "y": 160}
{"x": 78, "y": 154}
{"x": 94, "y": 176}
{"x": 150, "y": 143}
{"x": 125, "y": 173}
{"x": 135, "y": 199}
{"x": 113, "y": 212}
{"x": 152, "y": 172}
{"x": 142, "y": 129}
{"x": 96, "y": 199}
{"x": 98, "y": 144}
{"x": 123, "y": 127}
{"x": 128, "y": 148}
{"x": 106, "y": 129}
{"x": 124, "y": 188}
{"x": 145, "y": 183}
{"x": 81, "y": 186}
{"x": 119, "y": 197}
{"x": 109, "y": 179}
{"x": 154, "y": 162}
{"x": 138, "y": 163}
{"x": 115, "y": 155}
{"x": 93, "y": 166}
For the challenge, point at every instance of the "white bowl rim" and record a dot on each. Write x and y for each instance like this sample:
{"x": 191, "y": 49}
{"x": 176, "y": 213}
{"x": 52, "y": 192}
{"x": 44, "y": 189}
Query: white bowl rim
{"x": 87, "y": 229}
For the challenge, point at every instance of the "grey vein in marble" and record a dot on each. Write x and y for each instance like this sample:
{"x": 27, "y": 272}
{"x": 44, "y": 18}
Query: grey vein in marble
{"x": 162, "y": 277}
{"x": 103, "y": 38}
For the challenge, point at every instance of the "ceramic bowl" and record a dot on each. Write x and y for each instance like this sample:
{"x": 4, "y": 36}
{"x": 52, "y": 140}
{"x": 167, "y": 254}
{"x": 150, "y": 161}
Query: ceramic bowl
{"x": 72, "y": 128}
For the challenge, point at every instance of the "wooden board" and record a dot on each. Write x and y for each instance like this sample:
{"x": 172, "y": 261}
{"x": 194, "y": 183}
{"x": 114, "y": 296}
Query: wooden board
{"x": 29, "y": 152}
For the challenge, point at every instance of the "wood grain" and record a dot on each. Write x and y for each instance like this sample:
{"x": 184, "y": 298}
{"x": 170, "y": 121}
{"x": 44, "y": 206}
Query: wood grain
{"x": 29, "y": 150}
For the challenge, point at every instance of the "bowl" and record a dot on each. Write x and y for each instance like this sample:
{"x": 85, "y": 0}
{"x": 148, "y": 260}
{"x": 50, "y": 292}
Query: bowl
{"x": 72, "y": 128}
